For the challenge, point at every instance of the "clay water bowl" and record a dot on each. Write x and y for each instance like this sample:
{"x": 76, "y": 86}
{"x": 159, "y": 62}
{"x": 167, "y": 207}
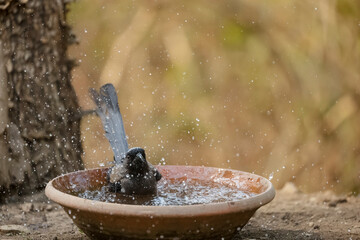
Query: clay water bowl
{"x": 102, "y": 220}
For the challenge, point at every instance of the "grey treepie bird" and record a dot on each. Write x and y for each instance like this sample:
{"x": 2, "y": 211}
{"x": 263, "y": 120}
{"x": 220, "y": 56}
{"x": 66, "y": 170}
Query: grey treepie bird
{"x": 131, "y": 174}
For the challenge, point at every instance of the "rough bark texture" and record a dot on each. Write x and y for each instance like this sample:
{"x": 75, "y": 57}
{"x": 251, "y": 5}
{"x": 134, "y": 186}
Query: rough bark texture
{"x": 40, "y": 136}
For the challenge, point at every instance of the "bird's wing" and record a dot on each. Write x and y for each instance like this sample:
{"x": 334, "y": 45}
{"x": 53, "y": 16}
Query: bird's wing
{"x": 109, "y": 113}
{"x": 154, "y": 171}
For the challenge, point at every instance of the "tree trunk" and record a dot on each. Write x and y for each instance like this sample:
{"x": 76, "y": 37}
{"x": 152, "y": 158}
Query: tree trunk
{"x": 39, "y": 113}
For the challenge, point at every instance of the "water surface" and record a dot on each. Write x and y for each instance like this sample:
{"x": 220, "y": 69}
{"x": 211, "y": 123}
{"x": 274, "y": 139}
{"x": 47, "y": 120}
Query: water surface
{"x": 172, "y": 192}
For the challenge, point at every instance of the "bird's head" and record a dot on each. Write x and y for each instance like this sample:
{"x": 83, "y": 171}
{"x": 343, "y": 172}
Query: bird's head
{"x": 135, "y": 161}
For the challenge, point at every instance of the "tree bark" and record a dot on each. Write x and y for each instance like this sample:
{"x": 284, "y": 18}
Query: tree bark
{"x": 40, "y": 120}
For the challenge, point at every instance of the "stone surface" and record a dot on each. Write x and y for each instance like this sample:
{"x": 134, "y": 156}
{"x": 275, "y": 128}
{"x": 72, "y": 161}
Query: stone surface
{"x": 288, "y": 216}
{"x": 13, "y": 229}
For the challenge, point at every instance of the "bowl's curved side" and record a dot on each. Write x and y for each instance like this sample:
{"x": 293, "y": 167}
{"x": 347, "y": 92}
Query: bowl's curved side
{"x": 148, "y": 227}
{"x": 100, "y": 219}
{"x": 135, "y": 210}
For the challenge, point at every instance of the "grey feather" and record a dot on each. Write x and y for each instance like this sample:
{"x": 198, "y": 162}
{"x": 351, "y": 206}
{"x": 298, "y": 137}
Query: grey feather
{"x": 109, "y": 113}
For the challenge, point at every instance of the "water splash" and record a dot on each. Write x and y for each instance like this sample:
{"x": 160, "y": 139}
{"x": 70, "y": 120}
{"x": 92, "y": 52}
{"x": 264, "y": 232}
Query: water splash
{"x": 271, "y": 176}
{"x": 172, "y": 192}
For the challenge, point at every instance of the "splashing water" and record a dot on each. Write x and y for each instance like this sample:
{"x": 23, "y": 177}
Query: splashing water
{"x": 271, "y": 176}
{"x": 172, "y": 192}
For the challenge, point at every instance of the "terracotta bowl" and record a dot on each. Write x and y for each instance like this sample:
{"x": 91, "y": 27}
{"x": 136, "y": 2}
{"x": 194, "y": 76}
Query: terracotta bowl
{"x": 100, "y": 220}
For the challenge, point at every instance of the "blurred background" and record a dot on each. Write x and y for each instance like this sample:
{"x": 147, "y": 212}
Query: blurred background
{"x": 266, "y": 87}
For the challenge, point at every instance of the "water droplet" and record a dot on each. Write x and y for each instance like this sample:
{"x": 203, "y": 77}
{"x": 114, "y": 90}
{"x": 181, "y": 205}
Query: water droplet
{"x": 271, "y": 176}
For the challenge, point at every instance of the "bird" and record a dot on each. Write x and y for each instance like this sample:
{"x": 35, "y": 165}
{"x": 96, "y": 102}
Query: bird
{"x": 131, "y": 173}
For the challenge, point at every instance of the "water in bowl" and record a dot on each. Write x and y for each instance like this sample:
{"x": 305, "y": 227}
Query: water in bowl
{"x": 172, "y": 192}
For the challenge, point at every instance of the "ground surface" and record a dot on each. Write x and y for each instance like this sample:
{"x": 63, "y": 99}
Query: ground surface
{"x": 291, "y": 215}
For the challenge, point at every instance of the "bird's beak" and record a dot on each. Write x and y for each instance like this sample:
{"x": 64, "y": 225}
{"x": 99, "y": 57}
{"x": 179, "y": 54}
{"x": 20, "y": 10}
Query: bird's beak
{"x": 139, "y": 155}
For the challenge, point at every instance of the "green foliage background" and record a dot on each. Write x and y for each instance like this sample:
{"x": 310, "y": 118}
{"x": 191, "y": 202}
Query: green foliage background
{"x": 265, "y": 87}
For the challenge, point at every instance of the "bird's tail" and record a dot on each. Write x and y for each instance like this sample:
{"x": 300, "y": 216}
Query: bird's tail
{"x": 109, "y": 113}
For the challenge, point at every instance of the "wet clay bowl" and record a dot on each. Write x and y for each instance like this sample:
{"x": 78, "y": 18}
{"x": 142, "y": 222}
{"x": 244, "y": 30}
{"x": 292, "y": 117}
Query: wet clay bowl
{"x": 100, "y": 220}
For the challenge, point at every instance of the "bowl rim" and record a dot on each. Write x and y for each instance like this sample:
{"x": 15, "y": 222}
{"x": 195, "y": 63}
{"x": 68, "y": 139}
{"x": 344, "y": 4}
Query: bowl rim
{"x": 252, "y": 203}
